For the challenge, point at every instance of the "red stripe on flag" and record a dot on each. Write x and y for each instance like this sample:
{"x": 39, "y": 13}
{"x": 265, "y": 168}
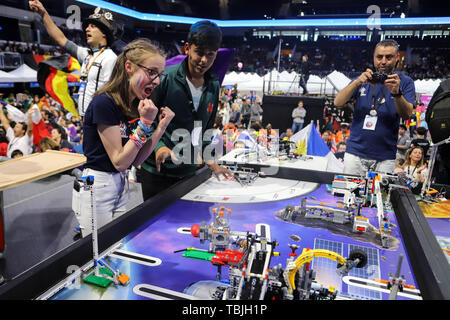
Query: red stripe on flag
{"x": 49, "y": 85}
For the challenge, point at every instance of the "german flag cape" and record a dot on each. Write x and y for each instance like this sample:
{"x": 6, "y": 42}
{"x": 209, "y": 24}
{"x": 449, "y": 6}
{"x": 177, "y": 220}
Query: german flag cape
{"x": 53, "y": 74}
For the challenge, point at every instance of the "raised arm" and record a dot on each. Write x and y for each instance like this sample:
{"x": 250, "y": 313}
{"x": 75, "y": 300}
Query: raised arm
{"x": 52, "y": 28}
{"x": 30, "y": 121}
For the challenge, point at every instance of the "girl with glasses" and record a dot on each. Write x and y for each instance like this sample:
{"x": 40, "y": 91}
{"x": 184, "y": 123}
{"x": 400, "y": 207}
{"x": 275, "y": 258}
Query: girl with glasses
{"x": 117, "y": 128}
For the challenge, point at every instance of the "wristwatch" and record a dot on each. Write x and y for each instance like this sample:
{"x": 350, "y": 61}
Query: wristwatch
{"x": 395, "y": 95}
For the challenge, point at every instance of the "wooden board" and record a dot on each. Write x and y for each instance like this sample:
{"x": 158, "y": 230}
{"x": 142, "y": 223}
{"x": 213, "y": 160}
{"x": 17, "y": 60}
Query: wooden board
{"x": 37, "y": 166}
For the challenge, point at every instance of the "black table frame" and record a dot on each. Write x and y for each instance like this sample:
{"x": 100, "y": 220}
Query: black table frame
{"x": 429, "y": 264}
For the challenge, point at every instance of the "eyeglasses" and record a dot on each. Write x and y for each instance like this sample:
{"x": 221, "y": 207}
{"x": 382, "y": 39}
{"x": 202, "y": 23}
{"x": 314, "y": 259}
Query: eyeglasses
{"x": 152, "y": 74}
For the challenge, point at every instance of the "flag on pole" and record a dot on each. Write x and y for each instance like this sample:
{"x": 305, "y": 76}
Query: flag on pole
{"x": 275, "y": 51}
{"x": 247, "y": 139}
{"x": 309, "y": 142}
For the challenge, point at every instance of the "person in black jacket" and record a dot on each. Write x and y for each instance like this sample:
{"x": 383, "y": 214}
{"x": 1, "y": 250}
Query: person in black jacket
{"x": 304, "y": 73}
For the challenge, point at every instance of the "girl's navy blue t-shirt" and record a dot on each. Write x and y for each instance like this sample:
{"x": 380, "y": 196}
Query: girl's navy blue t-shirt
{"x": 102, "y": 110}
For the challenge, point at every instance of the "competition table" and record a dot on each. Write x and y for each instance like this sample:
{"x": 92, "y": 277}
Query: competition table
{"x": 142, "y": 243}
{"x": 31, "y": 168}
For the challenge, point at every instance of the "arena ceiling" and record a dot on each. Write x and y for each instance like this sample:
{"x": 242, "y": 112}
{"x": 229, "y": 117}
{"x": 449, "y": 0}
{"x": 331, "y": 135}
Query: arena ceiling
{"x": 257, "y": 9}
{"x": 260, "y": 9}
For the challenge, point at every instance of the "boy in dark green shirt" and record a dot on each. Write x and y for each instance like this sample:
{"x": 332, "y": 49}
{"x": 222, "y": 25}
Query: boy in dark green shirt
{"x": 191, "y": 90}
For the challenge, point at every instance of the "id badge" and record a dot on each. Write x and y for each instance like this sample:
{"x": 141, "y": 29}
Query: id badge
{"x": 370, "y": 122}
{"x": 82, "y": 88}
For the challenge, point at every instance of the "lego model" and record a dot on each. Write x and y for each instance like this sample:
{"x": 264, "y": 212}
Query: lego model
{"x": 248, "y": 256}
{"x": 217, "y": 232}
{"x": 102, "y": 275}
{"x": 396, "y": 281}
{"x": 357, "y": 258}
{"x": 244, "y": 176}
{"x": 346, "y": 214}
{"x": 336, "y": 219}
{"x": 395, "y": 286}
{"x": 285, "y": 153}
{"x": 371, "y": 186}
{"x": 428, "y": 194}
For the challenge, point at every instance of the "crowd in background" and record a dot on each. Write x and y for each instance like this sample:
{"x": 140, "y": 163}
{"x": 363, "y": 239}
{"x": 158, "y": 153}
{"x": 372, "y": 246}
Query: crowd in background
{"x": 245, "y": 112}
{"x": 30, "y": 48}
{"x": 424, "y": 63}
{"x": 63, "y": 129}
{"x": 236, "y": 111}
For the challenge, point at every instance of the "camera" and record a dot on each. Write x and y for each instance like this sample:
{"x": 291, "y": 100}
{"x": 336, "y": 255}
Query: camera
{"x": 379, "y": 77}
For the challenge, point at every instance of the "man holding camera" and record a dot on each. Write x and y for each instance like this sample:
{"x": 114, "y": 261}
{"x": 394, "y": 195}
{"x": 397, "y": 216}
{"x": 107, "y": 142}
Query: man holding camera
{"x": 381, "y": 99}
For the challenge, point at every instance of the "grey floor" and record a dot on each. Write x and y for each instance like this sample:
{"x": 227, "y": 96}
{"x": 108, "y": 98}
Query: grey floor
{"x": 39, "y": 221}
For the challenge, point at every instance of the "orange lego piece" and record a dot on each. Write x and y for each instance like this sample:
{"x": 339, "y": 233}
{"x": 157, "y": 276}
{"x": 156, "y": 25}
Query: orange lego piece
{"x": 123, "y": 278}
{"x": 381, "y": 281}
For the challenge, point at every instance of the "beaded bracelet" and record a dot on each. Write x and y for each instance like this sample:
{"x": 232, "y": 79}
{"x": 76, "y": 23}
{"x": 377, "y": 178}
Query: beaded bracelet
{"x": 136, "y": 141}
{"x": 141, "y": 136}
{"x": 146, "y": 129}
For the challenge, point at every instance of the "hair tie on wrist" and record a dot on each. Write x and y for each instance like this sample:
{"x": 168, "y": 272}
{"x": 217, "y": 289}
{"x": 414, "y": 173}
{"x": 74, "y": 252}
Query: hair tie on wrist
{"x": 134, "y": 120}
{"x": 146, "y": 121}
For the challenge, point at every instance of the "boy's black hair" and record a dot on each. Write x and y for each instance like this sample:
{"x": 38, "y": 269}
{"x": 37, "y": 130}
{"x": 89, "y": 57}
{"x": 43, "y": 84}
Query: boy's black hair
{"x": 421, "y": 130}
{"x": 16, "y": 152}
{"x": 3, "y": 137}
{"x": 61, "y": 131}
{"x": 24, "y": 125}
{"x": 206, "y": 35}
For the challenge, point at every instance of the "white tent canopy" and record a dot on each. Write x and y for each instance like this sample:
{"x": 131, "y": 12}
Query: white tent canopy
{"x": 426, "y": 86}
{"x": 287, "y": 82}
{"x": 6, "y": 77}
{"x": 24, "y": 74}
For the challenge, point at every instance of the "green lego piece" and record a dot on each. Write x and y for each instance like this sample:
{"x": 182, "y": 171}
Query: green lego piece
{"x": 98, "y": 280}
{"x": 198, "y": 254}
